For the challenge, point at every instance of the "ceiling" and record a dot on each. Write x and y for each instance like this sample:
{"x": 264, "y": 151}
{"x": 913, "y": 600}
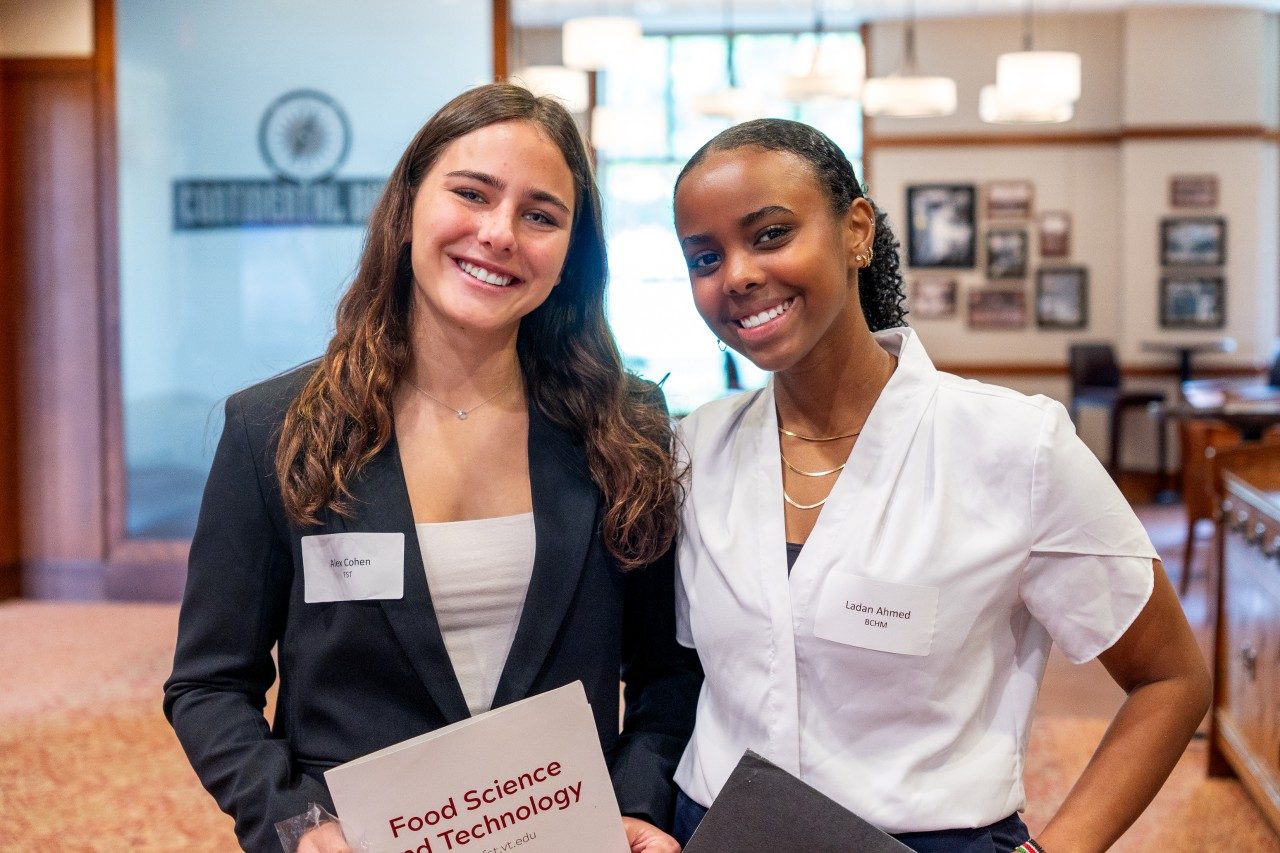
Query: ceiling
{"x": 798, "y": 15}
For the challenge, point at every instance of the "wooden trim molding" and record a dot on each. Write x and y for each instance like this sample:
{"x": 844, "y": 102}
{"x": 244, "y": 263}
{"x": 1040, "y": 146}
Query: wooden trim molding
{"x": 868, "y": 122}
{"x": 47, "y": 66}
{"x": 1128, "y": 134}
{"x": 501, "y": 36}
{"x": 115, "y": 484}
{"x": 972, "y": 369}
{"x": 997, "y": 139}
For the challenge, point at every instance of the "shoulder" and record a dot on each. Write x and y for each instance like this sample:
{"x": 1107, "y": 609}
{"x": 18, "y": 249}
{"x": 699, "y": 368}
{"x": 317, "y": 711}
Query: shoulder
{"x": 263, "y": 405}
{"x": 970, "y": 399}
{"x": 714, "y": 421}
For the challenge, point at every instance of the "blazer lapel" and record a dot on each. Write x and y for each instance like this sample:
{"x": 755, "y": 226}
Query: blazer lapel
{"x": 564, "y": 516}
{"x": 382, "y": 505}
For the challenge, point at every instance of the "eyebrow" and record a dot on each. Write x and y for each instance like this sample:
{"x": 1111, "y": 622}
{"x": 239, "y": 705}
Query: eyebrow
{"x": 745, "y": 222}
{"x": 500, "y": 185}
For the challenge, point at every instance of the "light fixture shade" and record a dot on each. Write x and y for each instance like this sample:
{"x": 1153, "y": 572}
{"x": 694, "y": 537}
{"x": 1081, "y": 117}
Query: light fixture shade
{"x": 909, "y": 97}
{"x": 589, "y": 44}
{"x": 996, "y": 107}
{"x": 1053, "y": 75}
{"x": 835, "y": 71}
{"x": 568, "y": 85}
{"x": 734, "y": 103}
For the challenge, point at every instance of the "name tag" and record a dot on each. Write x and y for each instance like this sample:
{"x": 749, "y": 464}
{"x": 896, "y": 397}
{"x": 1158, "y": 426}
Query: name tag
{"x": 871, "y": 614}
{"x": 352, "y": 566}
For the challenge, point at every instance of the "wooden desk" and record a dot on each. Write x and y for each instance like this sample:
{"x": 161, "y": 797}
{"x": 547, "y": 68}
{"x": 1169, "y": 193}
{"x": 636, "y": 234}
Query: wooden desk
{"x": 1245, "y": 723}
{"x": 1249, "y": 406}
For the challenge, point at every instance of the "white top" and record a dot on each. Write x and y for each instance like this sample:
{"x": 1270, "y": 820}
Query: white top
{"x": 897, "y": 667}
{"x": 478, "y": 573}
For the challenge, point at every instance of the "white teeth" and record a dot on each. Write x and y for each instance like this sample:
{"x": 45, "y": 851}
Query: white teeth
{"x": 765, "y": 316}
{"x": 484, "y": 275}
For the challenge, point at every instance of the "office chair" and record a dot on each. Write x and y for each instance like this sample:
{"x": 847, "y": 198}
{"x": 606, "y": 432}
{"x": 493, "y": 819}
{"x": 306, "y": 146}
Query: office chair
{"x": 1095, "y": 381}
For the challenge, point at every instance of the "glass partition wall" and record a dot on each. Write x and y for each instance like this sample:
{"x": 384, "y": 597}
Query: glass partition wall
{"x": 252, "y": 138}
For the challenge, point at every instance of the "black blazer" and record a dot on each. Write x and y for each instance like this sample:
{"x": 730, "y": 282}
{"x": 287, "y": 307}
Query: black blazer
{"x": 356, "y": 676}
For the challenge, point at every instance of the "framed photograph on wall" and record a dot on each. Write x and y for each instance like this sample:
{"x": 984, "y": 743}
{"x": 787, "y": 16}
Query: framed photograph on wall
{"x": 1055, "y": 234}
{"x": 1006, "y": 253}
{"x": 1193, "y": 191}
{"x": 1193, "y": 241}
{"x": 997, "y": 308}
{"x": 941, "y": 233}
{"x": 1009, "y": 199}
{"x": 933, "y": 298}
{"x": 1062, "y": 298}
{"x": 1193, "y": 302}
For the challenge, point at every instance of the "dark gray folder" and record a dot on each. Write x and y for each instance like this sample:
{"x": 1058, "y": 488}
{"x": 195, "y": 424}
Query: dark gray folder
{"x": 764, "y": 808}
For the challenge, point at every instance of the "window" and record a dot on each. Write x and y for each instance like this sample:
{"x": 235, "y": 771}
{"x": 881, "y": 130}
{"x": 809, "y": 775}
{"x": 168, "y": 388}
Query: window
{"x": 650, "y": 307}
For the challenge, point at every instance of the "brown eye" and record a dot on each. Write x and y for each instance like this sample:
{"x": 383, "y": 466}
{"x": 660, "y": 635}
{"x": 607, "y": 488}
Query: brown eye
{"x": 772, "y": 234}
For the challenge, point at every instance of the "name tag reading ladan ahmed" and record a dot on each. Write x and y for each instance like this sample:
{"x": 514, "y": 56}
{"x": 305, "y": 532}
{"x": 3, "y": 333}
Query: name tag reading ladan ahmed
{"x": 352, "y": 566}
{"x": 878, "y": 615}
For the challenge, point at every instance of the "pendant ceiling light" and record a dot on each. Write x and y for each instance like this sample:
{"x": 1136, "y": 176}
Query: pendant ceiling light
{"x": 994, "y": 107}
{"x": 589, "y": 44}
{"x": 829, "y": 76}
{"x": 909, "y": 95}
{"x": 567, "y": 85}
{"x": 732, "y": 102}
{"x": 1044, "y": 75}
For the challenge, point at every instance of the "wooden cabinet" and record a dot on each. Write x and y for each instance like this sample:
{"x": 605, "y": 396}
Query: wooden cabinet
{"x": 1245, "y": 732}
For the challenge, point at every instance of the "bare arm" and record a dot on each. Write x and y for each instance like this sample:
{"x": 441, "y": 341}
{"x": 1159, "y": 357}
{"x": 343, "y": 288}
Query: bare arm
{"x": 1162, "y": 670}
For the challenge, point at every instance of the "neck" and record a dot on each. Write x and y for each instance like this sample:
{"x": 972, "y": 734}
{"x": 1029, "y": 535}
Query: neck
{"x": 461, "y": 365}
{"x": 833, "y": 390}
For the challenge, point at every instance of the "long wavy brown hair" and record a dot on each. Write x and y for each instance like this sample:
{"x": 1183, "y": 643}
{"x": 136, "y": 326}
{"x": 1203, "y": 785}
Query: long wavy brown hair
{"x": 571, "y": 365}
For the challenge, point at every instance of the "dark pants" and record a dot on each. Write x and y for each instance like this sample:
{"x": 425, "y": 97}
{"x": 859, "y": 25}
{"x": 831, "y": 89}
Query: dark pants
{"x": 1000, "y": 837}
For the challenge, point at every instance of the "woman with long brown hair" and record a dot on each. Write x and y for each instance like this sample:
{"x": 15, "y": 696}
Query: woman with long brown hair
{"x": 471, "y": 439}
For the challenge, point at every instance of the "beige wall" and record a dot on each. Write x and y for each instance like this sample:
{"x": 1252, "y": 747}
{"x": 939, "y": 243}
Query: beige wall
{"x": 966, "y": 50}
{"x": 1143, "y": 69}
{"x": 46, "y": 28}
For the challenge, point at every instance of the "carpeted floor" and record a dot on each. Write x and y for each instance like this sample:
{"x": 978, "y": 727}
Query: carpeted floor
{"x": 88, "y": 763}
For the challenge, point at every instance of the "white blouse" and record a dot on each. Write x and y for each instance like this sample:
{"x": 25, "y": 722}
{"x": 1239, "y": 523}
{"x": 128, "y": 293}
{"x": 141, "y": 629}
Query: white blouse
{"x": 897, "y": 667}
{"x": 478, "y": 572}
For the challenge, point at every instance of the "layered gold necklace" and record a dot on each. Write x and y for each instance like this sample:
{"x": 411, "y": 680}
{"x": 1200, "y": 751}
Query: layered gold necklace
{"x": 803, "y": 473}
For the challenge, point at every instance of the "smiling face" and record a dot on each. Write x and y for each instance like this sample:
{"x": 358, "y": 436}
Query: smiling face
{"x": 773, "y": 269}
{"x": 491, "y": 226}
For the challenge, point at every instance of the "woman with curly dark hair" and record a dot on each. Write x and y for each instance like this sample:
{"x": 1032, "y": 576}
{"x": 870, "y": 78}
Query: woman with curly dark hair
{"x": 470, "y": 443}
{"x": 876, "y": 556}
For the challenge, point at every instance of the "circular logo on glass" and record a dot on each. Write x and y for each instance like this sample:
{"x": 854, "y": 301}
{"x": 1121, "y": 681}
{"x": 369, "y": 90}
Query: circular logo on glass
{"x": 304, "y": 136}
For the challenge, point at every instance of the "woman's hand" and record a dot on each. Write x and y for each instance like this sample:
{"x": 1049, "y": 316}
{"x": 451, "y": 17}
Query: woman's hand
{"x": 645, "y": 837}
{"x": 327, "y": 838}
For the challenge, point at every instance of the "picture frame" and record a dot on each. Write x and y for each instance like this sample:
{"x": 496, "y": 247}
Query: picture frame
{"x": 1193, "y": 301}
{"x": 1193, "y": 191}
{"x": 1062, "y": 298}
{"x": 1193, "y": 241}
{"x": 1006, "y": 253}
{"x": 997, "y": 308}
{"x": 1009, "y": 199}
{"x": 933, "y": 298}
{"x": 1054, "y": 233}
{"x": 941, "y": 231}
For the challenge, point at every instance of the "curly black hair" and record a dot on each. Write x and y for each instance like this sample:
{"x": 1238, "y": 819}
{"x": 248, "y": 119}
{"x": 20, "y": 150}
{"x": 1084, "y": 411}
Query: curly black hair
{"x": 880, "y": 288}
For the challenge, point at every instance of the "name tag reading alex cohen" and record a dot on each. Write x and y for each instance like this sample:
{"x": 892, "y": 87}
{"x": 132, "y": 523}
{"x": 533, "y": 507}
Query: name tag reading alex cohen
{"x": 878, "y": 615}
{"x": 352, "y": 566}
{"x": 527, "y": 776}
